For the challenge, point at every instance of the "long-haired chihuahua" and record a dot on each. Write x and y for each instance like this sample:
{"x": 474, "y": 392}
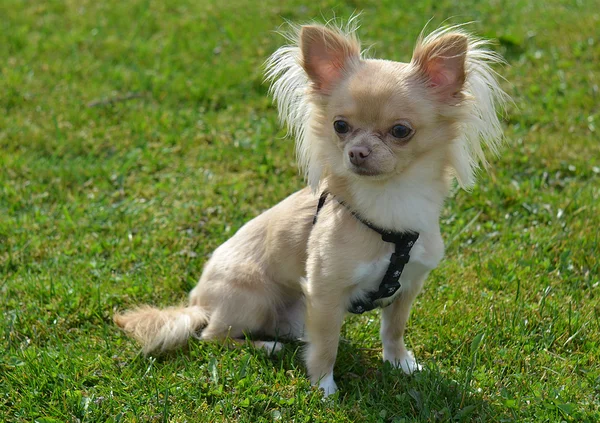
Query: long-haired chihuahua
{"x": 380, "y": 143}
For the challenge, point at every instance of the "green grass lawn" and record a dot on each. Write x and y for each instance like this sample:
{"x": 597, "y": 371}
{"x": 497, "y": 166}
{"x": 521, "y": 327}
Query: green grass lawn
{"x": 108, "y": 201}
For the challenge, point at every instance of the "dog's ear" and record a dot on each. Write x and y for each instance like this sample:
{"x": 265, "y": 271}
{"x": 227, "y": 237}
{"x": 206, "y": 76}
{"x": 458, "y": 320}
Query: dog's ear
{"x": 442, "y": 62}
{"x": 326, "y": 54}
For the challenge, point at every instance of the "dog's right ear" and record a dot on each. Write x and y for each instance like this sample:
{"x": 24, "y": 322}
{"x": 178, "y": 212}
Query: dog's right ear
{"x": 326, "y": 54}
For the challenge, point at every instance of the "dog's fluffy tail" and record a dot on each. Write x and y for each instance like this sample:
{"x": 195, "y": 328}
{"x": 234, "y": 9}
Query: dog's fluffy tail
{"x": 161, "y": 330}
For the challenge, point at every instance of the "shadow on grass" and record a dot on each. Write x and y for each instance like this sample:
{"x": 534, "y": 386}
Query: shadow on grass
{"x": 369, "y": 389}
{"x": 384, "y": 391}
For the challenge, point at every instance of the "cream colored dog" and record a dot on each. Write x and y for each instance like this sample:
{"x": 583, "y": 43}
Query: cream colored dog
{"x": 384, "y": 139}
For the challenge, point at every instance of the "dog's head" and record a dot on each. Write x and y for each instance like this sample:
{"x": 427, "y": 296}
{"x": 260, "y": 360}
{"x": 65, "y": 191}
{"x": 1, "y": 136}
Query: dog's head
{"x": 367, "y": 118}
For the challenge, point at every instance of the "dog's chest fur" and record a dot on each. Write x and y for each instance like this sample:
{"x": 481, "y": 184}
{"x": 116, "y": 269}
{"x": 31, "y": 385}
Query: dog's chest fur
{"x": 424, "y": 256}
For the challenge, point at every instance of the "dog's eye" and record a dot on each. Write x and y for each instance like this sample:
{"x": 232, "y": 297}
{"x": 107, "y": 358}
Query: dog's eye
{"x": 401, "y": 131}
{"x": 341, "y": 127}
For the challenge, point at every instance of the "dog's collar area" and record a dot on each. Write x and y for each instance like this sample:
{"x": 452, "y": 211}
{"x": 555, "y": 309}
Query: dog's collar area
{"x": 390, "y": 283}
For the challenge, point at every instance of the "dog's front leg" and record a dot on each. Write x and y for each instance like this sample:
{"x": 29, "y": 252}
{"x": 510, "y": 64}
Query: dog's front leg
{"x": 393, "y": 324}
{"x": 324, "y": 316}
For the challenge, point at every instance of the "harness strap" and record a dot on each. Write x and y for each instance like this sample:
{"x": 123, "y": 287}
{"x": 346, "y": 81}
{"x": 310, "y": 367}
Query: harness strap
{"x": 320, "y": 205}
{"x": 403, "y": 242}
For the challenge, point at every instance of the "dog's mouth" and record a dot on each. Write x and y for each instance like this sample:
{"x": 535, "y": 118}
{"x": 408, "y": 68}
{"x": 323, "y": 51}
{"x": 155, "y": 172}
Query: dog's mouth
{"x": 364, "y": 171}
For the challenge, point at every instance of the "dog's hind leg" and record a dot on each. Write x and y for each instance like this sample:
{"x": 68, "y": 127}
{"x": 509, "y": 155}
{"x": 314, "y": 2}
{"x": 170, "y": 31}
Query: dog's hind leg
{"x": 231, "y": 325}
{"x": 290, "y": 321}
{"x": 226, "y": 335}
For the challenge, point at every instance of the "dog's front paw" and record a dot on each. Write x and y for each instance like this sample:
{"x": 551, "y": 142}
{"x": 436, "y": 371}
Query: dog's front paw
{"x": 405, "y": 361}
{"x": 327, "y": 384}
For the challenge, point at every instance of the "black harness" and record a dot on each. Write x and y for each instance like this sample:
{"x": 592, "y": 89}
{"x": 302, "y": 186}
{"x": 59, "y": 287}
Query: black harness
{"x": 390, "y": 283}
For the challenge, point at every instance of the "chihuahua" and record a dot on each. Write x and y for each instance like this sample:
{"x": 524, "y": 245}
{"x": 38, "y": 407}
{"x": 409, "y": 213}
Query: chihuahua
{"x": 380, "y": 143}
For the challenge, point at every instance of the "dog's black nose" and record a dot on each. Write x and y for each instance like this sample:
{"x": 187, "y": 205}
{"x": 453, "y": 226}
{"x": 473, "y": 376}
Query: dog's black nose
{"x": 358, "y": 155}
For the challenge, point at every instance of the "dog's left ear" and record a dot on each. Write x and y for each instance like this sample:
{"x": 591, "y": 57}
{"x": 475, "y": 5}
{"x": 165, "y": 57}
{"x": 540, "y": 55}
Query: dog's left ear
{"x": 326, "y": 54}
{"x": 442, "y": 62}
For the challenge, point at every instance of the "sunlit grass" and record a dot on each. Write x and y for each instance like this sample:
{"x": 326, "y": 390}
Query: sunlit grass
{"x": 107, "y": 202}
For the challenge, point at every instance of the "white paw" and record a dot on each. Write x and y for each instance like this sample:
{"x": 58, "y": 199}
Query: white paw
{"x": 327, "y": 384}
{"x": 406, "y": 362}
{"x": 270, "y": 347}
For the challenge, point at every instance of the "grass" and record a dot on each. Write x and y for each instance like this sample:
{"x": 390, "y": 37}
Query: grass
{"x": 105, "y": 204}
